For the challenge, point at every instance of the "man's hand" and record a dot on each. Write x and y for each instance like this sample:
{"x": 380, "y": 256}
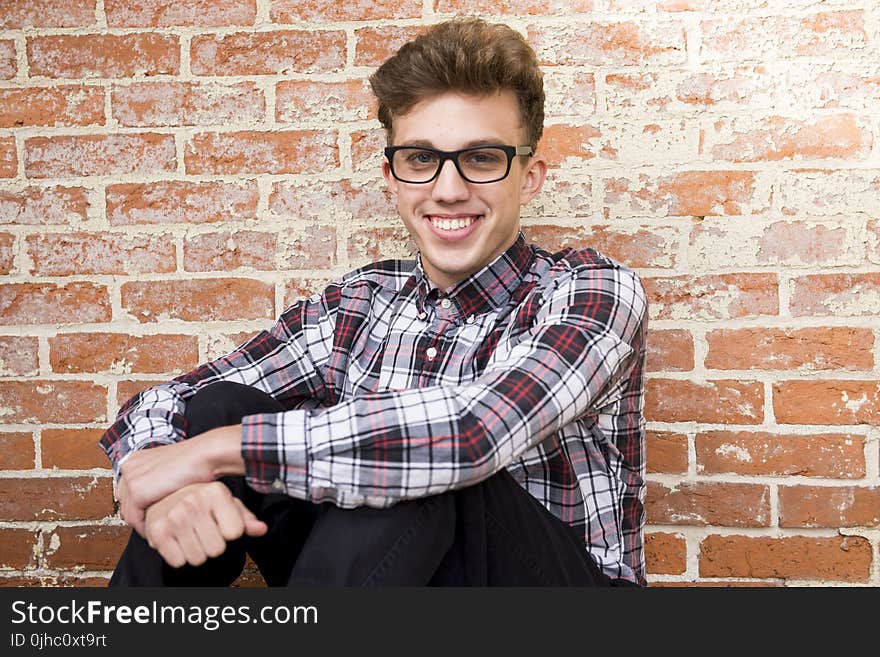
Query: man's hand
{"x": 196, "y": 522}
{"x": 152, "y": 474}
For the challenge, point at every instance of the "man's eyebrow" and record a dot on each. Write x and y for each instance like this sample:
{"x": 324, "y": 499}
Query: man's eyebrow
{"x": 425, "y": 143}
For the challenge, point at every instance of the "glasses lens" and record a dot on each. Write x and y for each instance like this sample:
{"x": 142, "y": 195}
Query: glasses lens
{"x": 415, "y": 164}
{"x": 483, "y": 164}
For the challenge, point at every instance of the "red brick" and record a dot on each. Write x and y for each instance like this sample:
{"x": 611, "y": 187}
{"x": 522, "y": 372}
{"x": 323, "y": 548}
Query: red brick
{"x": 295, "y": 11}
{"x": 17, "y": 451}
{"x": 125, "y": 390}
{"x": 168, "y": 13}
{"x": 778, "y": 138}
{"x": 341, "y": 201}
{"x": 18, "y": 548}
{"x": 709, "y": 503}
{"x": 831, "y": 402}
{"x": 8, "y": 62}
{"x": 44, "y": 205}
{"x": 8, "y": 158}
{"x": 330, "y": 102}
{"x": 838, "y": 558}
{"x": 373, "y": 45}
{"x": 829, "y": 506}
{"x": 66, "y": 254}
{"x": 308, "y": 247}
{"x": 597, "y": 43}
{"x": 670, "y": 350}
{"x": 280, "y": 52}
{"x": 87, "y": 548}
{"x": 194, "y": 300}
{"x": 46, "y": 303}
{"x": 15, "y": 14}
{"x": 372, "y": 244}
{"x": 665, "y": 554}
{"x": 51, "y": 106}
{"x": 181, "y": 202}
{"x": 766, "y": 454}
{"x": 220, "y": 344}
{"x": 722, "y": 296}
{"x": 822, "y": 348}
{"x": 97, "y": 155}
{"x": 52, "y": 401}
{"x": 839, "y": 34}
{"x": 721, "y": 401}
{"x": 183, "y": 103}
{"x": 72, "y": 449}
{"x": 56, "y": 498}
{"x": 703, "y": 584}
{"x": 103, "y": 55}
{"x": 18, "y": 355}
{"x": 366, "y": 150}
{"x": 288, "y": 151}
{"x": 7, "y": 253}
{"x": 686, "y": 193}
{"x": 568, "y": 145}
{"x": 119, "y": 353}
{"x": 837, "y": 295}
{"x": 303, "y": 287}
{"x": 667, "y": 452}
{"x": 228, "y": 251}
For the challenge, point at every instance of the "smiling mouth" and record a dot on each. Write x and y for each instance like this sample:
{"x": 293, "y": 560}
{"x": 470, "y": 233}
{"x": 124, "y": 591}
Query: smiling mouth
{"x": 451, "y": 224}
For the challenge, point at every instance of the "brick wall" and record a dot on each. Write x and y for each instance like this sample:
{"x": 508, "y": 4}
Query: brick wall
{"x": 172, "y": 175}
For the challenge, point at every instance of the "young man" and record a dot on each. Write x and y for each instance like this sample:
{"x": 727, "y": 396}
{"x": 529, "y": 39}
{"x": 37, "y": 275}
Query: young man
{"x": 473, "y": 417}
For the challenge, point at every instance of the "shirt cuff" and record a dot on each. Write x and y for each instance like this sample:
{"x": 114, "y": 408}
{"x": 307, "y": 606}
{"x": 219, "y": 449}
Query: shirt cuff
{"x": 274, "y": 447}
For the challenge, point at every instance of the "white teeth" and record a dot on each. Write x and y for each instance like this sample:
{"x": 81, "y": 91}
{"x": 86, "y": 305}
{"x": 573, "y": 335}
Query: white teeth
{"x": 452, "y": 224}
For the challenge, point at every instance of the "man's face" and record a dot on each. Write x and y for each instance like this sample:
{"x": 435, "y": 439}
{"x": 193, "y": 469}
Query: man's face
{"x": 460, "y": 227}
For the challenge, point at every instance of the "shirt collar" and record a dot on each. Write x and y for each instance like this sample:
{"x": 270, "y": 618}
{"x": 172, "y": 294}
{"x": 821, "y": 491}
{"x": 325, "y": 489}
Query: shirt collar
{"x": 490, "y": 287}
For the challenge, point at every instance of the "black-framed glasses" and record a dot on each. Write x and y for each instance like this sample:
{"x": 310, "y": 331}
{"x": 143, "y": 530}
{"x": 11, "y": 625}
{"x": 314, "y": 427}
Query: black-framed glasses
{"x": 476, "y": 164}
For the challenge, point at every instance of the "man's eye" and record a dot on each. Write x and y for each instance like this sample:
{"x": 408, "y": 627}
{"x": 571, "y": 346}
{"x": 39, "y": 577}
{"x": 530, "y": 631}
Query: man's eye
{"x": 421, "y": 158}
{"x": 487, "y": 158}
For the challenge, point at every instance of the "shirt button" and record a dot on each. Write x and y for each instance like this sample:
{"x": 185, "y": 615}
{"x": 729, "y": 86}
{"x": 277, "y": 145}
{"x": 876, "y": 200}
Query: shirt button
{"x": 423, "y": 316}
{"x": 278, "y": 485}
{"x": 431, "y": 353}
{"x": 470, "y": 319}
{"x": 446, "y": 303}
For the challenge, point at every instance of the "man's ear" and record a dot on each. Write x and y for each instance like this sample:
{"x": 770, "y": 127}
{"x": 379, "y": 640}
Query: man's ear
{"x": 390, "y": 180}
{"x": 533, "y": 179}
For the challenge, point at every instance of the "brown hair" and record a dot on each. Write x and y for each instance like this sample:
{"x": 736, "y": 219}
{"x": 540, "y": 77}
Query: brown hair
{"x": 467, "y": 55}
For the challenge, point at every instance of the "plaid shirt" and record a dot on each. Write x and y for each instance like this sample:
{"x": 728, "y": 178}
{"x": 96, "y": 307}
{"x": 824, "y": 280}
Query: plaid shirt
{"x": 398, "y": 390}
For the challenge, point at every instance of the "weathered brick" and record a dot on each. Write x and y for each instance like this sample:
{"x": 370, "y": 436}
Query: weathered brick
{"x": 221, "y": 344}
{"x": 295, "y": 11}
{"x": 51, "y": 106}
{"x": 127, "y": 389}
{"x": 181, "y": 202}
{"x": 8, "y": 61}
{"x": 570, "y": 95}
{"x": 568, "y": 145}
{"x": 56, "y": 498}
{"x": 302, "y": 287}
{"x": 18, "y": 549}
{"x": 565, "y": 194}
{"x": 122, "y": 353}
{"x": 328, "y": 102}
{"x": 15, "y": 14}
{"x": 17, "y": 451}
{"x": 308, "y": 247}
{"x": 103, "y": 55}
{"x": 19, "y": 355}
{"x": 670, "y": 350}
{"x": 8, "y": 158}
{"x": 342, "y": 201}
{"x": 831, "y": 402}
{"x": 60, "y": 402}
{"x": 66, "y": 254}
{"x": 836, "y": 456}
{"x": 72, "y": 449}
{"x": 827, "y": 193}
{"x": 46, "y": 303}
{"x": 366, "y": 150}
{"x": 665, "y": 554}
{"x": 372, "y": 244}
{"x": 194, "y": 300}
{"x": 44, "y": 206}
{"x": 836, "y": 295}
{"x": 873, "y": 242}
{"x": 268, "y": 53}
{"x": 7, "y": 253}
{"x": 709, "y": 503}
{"x": 685, "y": 193}
{"x": 821, "y": 348}
{"x": 88, "y": 548}
{"x": 829, "y": 506}
{"x": 722, "y": 296}
{"x": 287, "y": 151}
{"x": 838, "y": 558}
{"x": 666, "y": 452}
{"x": 640, "y": 143}
{"x": 373, "y": 45}
{"x": 721, "y": 401}
{"x": 168, "y": 13}
{"x": 229, "y": 251}
{"x": 97, "y": 155}
{"x": 184, "y": 103}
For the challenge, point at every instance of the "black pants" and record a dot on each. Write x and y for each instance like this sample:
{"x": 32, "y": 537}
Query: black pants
{"x": 490, "y": 534}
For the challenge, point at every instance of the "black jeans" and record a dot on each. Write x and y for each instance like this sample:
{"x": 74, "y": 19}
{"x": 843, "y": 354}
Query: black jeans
{"x": 491, "y": 534}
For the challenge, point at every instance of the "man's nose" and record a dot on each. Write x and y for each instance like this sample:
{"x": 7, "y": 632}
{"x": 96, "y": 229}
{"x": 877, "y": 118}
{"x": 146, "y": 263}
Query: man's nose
{"x": 449, "y": 185}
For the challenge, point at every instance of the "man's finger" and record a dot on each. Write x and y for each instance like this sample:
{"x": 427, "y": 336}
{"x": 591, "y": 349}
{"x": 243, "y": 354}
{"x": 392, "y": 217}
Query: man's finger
{"x": 253, "y": 526}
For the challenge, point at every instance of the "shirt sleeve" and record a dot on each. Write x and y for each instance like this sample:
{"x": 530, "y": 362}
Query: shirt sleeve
{"x": 287, "y": 362}
{"x": 570, "y": 359}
